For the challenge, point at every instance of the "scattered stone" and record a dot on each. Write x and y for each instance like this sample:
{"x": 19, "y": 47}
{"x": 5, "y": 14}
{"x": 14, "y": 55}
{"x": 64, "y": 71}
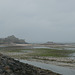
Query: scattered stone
{"x": 9, "y": 66}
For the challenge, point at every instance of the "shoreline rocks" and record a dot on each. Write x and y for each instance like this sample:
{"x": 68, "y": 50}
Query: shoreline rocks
{"x": 9, "y": 66}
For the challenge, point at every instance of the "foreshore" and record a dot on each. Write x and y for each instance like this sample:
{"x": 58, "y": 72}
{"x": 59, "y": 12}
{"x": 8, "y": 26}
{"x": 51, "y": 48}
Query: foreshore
{"x": 18, "y": 53}
{"x": 9, "y": 66}
{"x": 27, "y": 52}
{"x": 59, "y": 61}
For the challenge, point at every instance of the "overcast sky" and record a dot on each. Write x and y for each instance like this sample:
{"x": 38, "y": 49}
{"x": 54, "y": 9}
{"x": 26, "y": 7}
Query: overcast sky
{"x": 38, "y": 20}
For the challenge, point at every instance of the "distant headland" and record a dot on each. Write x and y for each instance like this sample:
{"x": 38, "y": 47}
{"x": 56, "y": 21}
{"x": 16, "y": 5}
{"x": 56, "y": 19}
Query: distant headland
{"x": 12, "y": 40}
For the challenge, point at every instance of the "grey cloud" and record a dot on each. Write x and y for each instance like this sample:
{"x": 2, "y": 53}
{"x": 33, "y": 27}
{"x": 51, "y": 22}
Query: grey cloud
{"x": 38, "y": 20}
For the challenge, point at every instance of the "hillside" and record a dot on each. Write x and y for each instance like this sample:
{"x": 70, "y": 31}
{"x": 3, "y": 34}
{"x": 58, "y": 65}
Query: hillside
{"x": 12, "y": 39}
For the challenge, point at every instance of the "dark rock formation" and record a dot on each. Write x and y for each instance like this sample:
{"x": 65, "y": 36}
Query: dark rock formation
{"x": 12, "y": 39}
{"x": 9, "y": 66}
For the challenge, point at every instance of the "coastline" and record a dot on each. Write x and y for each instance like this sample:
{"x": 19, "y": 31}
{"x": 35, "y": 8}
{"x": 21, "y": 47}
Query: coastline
{"x": 10, "y": 66}
{"x": 59, "y": 61}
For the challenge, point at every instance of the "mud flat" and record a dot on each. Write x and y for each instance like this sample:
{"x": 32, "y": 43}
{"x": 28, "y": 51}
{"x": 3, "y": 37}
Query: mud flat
{"x": 9, "y": 66}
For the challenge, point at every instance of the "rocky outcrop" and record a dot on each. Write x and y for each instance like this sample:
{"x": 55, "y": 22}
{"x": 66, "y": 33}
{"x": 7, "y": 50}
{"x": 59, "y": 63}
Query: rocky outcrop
{"x": 9, "y": 66}
{"x": 12, "y": 40}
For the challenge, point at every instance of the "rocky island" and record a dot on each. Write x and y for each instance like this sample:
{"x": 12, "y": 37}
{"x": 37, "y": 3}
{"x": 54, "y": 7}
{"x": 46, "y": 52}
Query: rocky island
{"x": 12, "y": 40}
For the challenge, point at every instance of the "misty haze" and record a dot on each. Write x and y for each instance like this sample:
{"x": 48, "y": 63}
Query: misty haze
{"x": 37, "y": 37}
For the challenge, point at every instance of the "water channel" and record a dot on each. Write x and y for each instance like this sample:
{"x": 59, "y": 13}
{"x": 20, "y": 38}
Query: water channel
{"x": 54, "y": 68}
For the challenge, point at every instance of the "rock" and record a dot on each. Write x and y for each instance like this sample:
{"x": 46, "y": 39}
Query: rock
{"x": 9, "y": 66}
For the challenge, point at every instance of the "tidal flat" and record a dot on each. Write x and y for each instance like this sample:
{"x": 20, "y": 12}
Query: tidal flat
{"x": 45, "y": 55}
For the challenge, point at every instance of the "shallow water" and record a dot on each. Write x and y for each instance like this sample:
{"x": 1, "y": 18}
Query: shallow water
{"x": 3, "y": 46}
{"x": 69, "y": 48}
{"x": 72, "y": 56}
{"x": 40, "y": 47}
{"x": 57, "y": 48}
{"x": 54, "y": 68}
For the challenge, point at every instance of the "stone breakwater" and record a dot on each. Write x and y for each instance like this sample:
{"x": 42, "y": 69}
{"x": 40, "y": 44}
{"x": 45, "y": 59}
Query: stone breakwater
{"x": 9, "y": 66}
